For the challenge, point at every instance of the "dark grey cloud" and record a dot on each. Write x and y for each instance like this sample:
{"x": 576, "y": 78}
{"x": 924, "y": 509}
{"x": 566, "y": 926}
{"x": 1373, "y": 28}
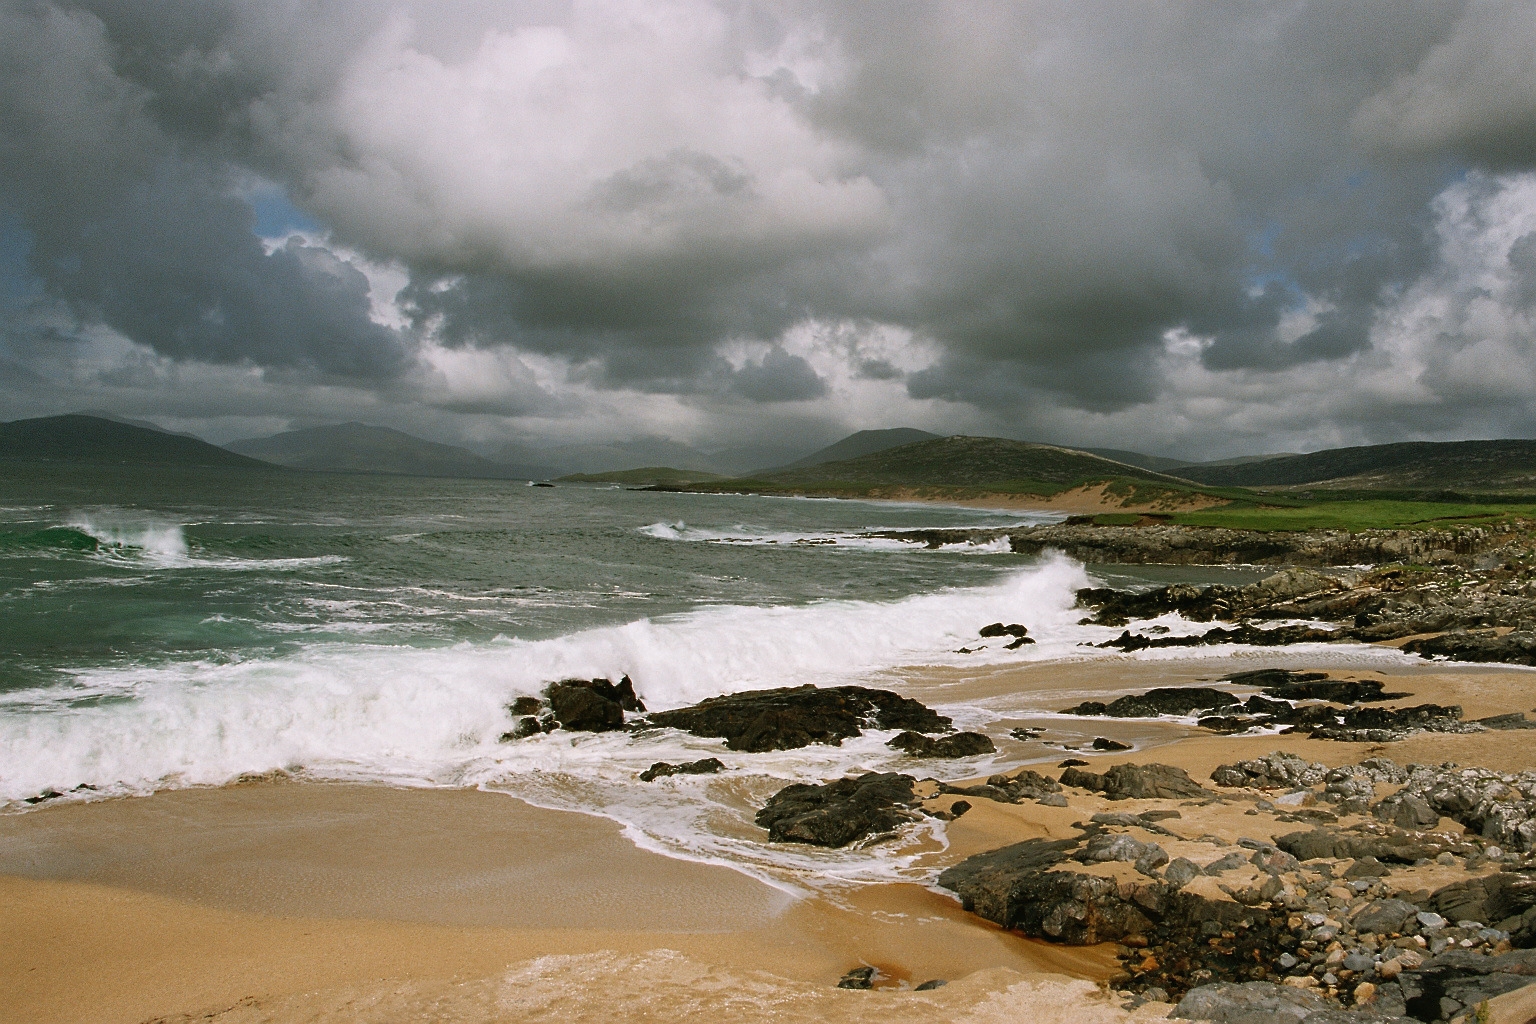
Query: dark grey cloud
{"x": 1036, "y": 196}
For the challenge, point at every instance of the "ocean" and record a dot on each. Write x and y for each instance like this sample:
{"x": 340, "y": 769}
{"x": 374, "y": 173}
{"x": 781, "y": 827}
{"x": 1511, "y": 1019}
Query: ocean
{"x": 165, "y": 628}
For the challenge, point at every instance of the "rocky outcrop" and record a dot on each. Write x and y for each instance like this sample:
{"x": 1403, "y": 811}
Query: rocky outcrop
{"x": 1499, "y": 806}
{"x": 960, "y": 744}
{"x": 1278, "y": 770}
{"x": 1253, "y": 1002}
{"x": 579, "y": 705}
{"x": 1137, "y": 782}
{"x": 792, "y": 717}
{"x": 840, "y": 812}
{"x": 1163, "y": 700}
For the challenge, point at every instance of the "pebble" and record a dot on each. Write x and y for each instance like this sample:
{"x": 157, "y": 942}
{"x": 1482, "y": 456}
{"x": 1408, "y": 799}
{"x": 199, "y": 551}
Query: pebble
{"x": 1430, "y": 920}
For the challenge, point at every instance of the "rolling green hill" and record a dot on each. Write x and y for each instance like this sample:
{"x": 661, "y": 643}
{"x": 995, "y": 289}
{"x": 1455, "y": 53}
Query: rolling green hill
{"x": 1465, "y": 466}
{"x": 95, "y": 440}
{"x": 864, "y": 442}
{"x": 962, "y": 461}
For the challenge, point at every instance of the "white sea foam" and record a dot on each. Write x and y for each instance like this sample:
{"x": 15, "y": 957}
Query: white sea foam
{"x": 163, "y": 545}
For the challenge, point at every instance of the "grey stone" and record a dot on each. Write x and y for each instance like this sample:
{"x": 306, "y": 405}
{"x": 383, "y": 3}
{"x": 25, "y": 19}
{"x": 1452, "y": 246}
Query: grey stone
{"x": 1253, "y": 1002}
{"x": 1181, "y": 872}
{"x": 1385, "y": 916}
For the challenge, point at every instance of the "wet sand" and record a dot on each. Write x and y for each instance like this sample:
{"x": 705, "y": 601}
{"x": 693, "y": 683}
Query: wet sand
{"x": 327, "y": 902}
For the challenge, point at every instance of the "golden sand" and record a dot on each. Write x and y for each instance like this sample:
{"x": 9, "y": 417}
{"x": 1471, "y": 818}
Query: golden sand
{"x": 324, "y": 902}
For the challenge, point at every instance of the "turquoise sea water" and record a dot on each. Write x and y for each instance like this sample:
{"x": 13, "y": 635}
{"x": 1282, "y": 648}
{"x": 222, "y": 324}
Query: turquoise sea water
{"x": 162, "y": 629}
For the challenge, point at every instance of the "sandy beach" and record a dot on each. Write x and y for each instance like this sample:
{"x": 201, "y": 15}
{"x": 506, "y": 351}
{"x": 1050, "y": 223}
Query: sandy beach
{"x": 281, "y": 901}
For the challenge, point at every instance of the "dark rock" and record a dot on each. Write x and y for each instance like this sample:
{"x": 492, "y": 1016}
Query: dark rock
{"x": 661, "y": 769}
{"x": 1499, "y": 899}
{"x": 1385, "y": 725}
{"x": 858, "y": 978}
{"x": 958, "y": 808}
{"x": 526, "y": 706}
{"x": 1461, "y": 978}
{"x": 1386, "y": 916}
{"x": 998, "y": 629}
{"x": 1229, "y": 724}
{"x": 43, "y": 797}
{"x": 792, "y": 717}
{"x": 929, "y": 986}
{"x": 1164, "y": 700}
{"x": 1022, "y": 733}
{"x": 1254, "y": 1002}
{"x": 1012, "y": 887}
{"x": 1338, "y": 691}
{"x": 525, "y": 727}
{"x": 960, "y": 744}
{"x": 1322, "y": 843}
{"x": 1251, "y": 636}
{"x": 1367, "y": 867}
{"x": 1072, "y": 762}
{"x": 1136, "y": 782}
{"x": 1010, "y": 789}
{"x": 1180, "y": 872}
{"x": 1513, "y": 721}
{"x": 839, "y": 812}
{"x": 1020, "y": 642}
{"x": 1517, "y": 648}
{"x": 1103, "y": 743}
{"x": 581, "y": 707}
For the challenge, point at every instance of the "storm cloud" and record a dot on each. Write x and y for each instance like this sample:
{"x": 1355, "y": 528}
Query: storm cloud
{"x": 1199, "y": 229}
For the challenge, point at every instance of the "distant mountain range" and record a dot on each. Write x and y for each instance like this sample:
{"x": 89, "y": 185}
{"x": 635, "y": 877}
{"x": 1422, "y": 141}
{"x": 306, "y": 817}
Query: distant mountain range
{"x": 899, "y": 456}
{"x": 359, "y": 448}
{"x": 95, "y": 440}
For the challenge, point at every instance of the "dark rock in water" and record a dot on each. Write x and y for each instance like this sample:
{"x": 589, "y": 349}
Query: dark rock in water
{"x": 998, "y": 629}
{"x": 858, "y": 978}
{"x": 1517, "y": 648}
{"x": 792, "y": 717}
{"x": 1104, "y": 743}
{"x": 1164, "y": 700}
{"x": 661, "y": 769}
{"x": 1338, "y": 691}
{"x": 581, "y": 707}
{"x": 1023, "y": 733}
{"x": 1251, "y": 636}
{"x": 960, "y": 744}
{"x": 43, "y": 797}
{"x": 1136, "y": 782}
{"x": 839, "y": 812}
{"x": 1020, "y": 642}
{"x": 929, "y": 986}
{"x": 525, "y": 727}
{"x": 1267, "y": 677}
{"x": 524, "y": 706}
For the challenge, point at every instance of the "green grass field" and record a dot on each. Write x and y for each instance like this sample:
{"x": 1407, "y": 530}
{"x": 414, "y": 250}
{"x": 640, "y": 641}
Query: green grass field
{"x": 1355, "y": 515}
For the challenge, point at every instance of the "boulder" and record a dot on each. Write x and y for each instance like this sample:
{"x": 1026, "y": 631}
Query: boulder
{"x": 661, "y": 769}
{"x": 839, "y": 812}
{"x": 1253, "y": 1002}
{"x": 792, "y": 717}
{"x": 1009, "y": 789}
{"x": 1386, "y": 916}
{"x": 580, "y": 707}
{"x": 960, "y": 744}
{"x": 1136, "y": 782}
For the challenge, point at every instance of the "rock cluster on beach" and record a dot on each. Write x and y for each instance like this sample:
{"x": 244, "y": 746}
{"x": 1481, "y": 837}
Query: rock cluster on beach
{"x": 1315, "y": 921}
{"x": 841, "y": 812}
{"x": 1275, "y": 706}
{"x": 1483, "y": 614}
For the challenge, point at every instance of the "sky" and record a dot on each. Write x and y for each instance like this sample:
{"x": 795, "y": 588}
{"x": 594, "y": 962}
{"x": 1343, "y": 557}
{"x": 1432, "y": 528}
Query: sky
{"x": 1199, "y": 230}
